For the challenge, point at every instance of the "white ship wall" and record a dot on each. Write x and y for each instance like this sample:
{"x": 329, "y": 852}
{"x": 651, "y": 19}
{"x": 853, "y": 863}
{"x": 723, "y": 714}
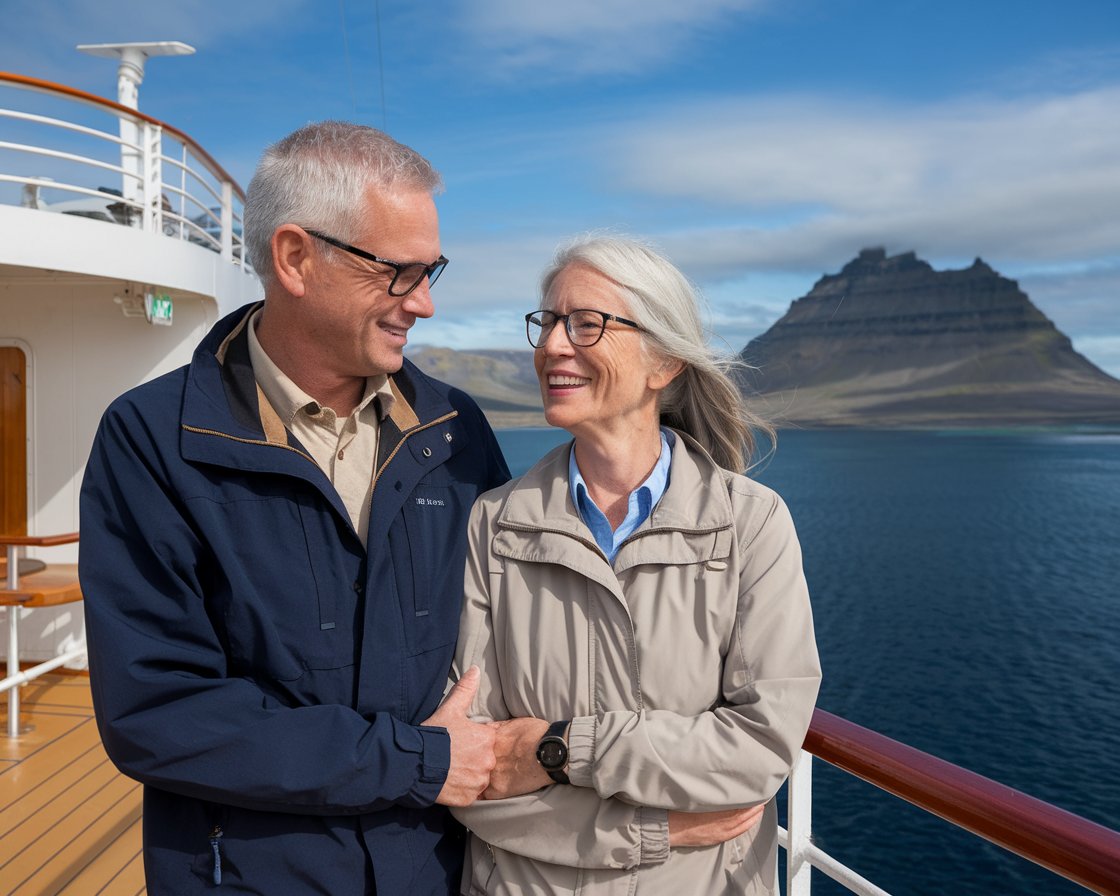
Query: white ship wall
{"x": 65, "y": 283}
{"x": 81, "y": 353}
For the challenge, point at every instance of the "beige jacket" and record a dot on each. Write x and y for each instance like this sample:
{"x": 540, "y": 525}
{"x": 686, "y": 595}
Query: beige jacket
{"x": 689, "y": 671}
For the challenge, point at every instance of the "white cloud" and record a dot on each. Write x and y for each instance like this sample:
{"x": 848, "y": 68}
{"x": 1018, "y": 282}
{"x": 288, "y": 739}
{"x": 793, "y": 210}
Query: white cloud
{"x": 755, "y": 198}
{"x": 1021, "y": 179}
{"x": 577, "y": 38}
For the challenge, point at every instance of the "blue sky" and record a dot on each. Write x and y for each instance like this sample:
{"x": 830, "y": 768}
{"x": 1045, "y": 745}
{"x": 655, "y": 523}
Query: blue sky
{"x": 759, "y": 143}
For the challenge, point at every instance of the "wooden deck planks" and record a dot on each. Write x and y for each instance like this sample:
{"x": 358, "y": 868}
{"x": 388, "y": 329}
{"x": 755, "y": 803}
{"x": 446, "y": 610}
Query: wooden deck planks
{"x": 119, "y": 869}
{"x": 35, "y": 793}
{"x": 69, "y": 822}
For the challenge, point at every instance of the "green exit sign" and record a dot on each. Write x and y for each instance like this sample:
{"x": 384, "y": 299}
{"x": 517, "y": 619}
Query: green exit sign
{"x": 158, "y": 308}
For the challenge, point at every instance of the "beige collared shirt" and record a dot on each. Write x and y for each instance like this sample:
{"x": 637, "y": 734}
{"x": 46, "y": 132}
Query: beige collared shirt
{"x": 346, "y": 450}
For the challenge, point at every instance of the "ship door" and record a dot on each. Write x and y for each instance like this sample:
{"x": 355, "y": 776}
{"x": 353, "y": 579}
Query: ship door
{"x": 13, "y": 441}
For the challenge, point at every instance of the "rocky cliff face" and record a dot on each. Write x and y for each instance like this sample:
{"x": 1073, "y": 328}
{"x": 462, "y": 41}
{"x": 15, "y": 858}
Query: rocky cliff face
{"x": 891, "y": 341}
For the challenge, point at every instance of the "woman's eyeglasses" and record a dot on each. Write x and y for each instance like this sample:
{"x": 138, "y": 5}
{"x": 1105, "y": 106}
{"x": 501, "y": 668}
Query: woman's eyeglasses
{"x": 585, "y": 326}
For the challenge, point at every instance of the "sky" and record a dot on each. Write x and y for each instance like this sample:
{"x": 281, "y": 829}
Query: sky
{"x": 760, "y": 144}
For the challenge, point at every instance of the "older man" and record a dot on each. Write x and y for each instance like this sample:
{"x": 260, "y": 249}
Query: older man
{"x": 272, "y": 555}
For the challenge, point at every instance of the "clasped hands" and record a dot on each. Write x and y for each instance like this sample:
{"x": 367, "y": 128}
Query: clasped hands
{"x": 495, "y": 760}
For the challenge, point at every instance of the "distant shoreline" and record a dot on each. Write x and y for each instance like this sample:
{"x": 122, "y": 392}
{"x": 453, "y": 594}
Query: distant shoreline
{"x": 506, "y": 422}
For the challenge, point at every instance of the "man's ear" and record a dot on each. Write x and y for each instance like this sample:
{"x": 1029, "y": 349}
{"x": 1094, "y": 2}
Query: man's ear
{"x": 291, "y": 258}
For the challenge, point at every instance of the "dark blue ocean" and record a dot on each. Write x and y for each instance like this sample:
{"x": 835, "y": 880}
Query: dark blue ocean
{"x": 966, "y": 593}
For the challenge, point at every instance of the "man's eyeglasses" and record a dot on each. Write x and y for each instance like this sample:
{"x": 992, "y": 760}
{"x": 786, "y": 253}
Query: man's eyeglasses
{"x": 585, "y": 326}
{"x": 406, "y": 276}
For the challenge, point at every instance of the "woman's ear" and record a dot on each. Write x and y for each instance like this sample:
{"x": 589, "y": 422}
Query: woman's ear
{"x": 664, "y": 372}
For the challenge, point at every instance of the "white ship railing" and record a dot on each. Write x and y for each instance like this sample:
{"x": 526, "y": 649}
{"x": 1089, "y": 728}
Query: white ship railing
{"x": 1077, "y": 849}
{"x": 163, "y": 183}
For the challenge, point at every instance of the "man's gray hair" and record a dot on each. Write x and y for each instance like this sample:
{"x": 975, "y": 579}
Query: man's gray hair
{"x": 318, "y": 177}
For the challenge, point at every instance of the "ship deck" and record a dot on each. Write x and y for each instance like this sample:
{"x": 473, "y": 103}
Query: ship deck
{"x": 69, "y": 822}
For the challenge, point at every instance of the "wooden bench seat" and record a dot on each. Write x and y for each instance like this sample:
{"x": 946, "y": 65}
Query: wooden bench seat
{"x": 53, "y": 585}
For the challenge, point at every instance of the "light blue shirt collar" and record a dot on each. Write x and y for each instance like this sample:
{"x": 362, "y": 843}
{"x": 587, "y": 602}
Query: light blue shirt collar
{"x": 641, "y": 503}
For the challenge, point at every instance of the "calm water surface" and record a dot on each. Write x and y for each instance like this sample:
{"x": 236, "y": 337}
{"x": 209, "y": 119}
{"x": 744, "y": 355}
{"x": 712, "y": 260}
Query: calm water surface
{"x": 965, "y": 592}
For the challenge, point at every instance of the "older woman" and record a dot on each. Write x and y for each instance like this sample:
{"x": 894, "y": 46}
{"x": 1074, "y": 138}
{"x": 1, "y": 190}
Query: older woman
{"x": 637, "y": 607}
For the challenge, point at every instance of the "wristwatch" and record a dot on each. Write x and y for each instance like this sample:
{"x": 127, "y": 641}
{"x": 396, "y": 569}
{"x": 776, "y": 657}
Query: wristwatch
{"x": 552, "y": 752}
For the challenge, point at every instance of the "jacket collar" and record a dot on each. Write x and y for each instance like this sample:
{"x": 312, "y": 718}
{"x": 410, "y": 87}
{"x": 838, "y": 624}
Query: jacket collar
{"x": 539, "y": 521}
{"x": 223, "y": 399}
{"x": 696, "y": 500}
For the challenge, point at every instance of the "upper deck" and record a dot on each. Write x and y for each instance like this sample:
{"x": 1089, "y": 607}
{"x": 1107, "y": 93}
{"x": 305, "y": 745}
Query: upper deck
{"x": 90, "y": 188}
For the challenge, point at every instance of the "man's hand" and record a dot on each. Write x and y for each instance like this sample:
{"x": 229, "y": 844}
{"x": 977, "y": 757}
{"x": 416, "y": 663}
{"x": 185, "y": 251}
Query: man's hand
{"x": 472, "y": 744}
{"x": 711, "y": 828}
{"x": 517, "y": 770}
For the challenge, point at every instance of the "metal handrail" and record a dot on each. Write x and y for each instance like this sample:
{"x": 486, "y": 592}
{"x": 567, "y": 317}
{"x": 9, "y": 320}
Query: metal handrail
{"x": 41, "y": 86}
{"x": 1074, "y": 847}
{"x": 211, "y": 184}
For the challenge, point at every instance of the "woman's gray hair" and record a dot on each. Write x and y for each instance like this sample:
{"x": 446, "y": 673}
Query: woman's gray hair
{"x": 703, "y": 400}
{"x": 318, "y": 176}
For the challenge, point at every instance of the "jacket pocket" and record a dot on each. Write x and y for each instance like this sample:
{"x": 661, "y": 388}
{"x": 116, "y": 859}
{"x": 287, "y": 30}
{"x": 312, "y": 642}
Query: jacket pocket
{"x": 288, "y": 599}
{"x": 435, "y": 525}
{"x": 339, "y": 578}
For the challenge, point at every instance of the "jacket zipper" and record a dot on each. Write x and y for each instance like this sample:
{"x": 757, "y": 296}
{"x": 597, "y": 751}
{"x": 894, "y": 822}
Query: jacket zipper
{"x": 215, "y": 842}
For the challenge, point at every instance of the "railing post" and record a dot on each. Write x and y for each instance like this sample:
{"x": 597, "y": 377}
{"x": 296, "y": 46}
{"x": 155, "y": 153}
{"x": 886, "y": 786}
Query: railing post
{"x": 182, "y": 225}
{"x": 153, "y": 178}
{"x": 13, "y": 641}
{"x": 799, "y": 824}
{"x": 132, "y": 163}
{"x": 227, "y": 221}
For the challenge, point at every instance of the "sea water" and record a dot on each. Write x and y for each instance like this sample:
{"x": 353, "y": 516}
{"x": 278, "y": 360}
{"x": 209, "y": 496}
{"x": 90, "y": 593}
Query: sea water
{"x": 966, "y": 595}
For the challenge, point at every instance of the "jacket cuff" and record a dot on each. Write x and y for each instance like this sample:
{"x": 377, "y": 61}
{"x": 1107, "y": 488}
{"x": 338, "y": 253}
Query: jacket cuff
{"x": 432, "y": 747}
{"x": 581, "y": 750}
{"x": 654, "y": 827}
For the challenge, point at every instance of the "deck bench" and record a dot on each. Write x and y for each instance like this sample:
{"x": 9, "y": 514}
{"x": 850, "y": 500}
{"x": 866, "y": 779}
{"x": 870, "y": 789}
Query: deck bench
{"x": 30, "y": 583}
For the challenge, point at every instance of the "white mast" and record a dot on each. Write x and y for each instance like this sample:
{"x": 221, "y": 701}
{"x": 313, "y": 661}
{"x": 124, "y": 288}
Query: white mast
{"x": 130, "y": 75}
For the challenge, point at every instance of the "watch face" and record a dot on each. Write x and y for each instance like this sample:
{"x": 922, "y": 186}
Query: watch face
{"x": 552, "y": 753}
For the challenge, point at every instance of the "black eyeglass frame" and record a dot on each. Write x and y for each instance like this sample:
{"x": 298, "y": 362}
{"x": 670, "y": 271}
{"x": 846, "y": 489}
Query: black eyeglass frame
{"x": 546, "y": 331}
{"x": 431, "y": 271}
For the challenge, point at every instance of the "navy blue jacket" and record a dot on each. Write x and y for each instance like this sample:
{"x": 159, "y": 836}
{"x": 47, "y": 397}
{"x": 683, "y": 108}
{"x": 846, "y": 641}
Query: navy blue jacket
{"x": 261, "y": 673}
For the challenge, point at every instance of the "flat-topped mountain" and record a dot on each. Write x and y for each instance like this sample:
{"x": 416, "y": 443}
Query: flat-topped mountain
{"x": 892, "y": 342}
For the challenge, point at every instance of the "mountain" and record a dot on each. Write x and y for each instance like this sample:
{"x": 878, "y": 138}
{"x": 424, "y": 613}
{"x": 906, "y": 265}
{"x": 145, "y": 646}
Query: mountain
{"x": 892, "y": 342}
{"x": 503, "y": 382}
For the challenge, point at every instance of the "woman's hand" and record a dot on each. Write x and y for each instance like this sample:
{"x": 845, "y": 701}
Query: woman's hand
{"x": 517, "y": 770}
{"x": 711, "y": 828}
